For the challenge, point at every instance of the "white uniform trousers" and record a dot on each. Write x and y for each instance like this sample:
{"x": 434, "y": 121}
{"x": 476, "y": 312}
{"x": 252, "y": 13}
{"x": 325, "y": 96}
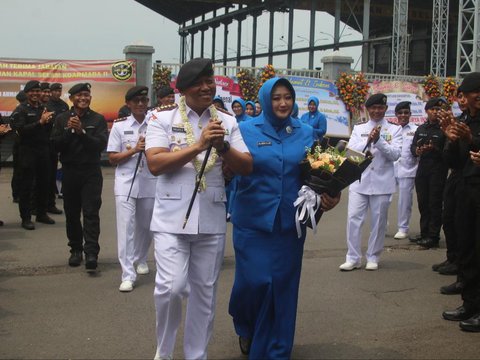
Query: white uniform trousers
{"x": 405, "y": 198}
{"x": 358, "y": 205}
{"x": 187, "y": 266}
{"x": 133, "y": 232}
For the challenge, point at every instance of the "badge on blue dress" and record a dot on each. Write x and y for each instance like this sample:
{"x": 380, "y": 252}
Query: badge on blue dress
{"x": 288, "y": 129}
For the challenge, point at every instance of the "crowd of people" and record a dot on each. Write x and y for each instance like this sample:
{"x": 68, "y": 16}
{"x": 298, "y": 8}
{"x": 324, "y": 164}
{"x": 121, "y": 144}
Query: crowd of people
{"x": 165, "y": 154}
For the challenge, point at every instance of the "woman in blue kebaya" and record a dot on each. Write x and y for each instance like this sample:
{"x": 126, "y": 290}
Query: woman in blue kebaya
{"x": 268, "y": 252}
{"x": 238, "y": 108}
{"x": 250, "y": 108}
{"x": 315, "y": 118}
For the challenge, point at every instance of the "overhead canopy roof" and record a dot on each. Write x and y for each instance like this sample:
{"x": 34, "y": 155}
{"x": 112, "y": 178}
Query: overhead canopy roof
{"x": 381, "y": 11}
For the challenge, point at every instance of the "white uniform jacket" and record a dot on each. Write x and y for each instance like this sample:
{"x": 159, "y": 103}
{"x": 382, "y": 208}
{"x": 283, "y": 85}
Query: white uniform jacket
{"x": 378, "y": 178}
{"x": 174, "y": 190}
{"x": 123, "y": 136}
{"x": 406, "y": 166}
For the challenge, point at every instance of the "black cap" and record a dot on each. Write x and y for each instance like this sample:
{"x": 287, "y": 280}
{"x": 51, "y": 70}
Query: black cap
{"x": 21, "y": 97}
{"x": 45, "y": 86}
{"x": 192, "y": 70}
{"x": 79, "y": 87}
{"x": 136, "y": 91}
{"x": 403, "y": 105}
{"x": 56, "y": 86}
{"x": 436, "y": 101}
{"x": 376, "y": 99}
{"x": 470, "y": 83}
{"x": 32, "y": 84}
{"x": 163, "y": 91}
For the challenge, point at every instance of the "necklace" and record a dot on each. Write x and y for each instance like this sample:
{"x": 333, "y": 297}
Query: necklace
{"x": 197, "y": 164}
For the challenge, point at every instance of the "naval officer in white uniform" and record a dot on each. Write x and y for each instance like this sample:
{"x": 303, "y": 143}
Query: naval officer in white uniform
{"x": 188, "y": 259}
{"x": 405, "y": 170}
{"x": 376, "y": 185}
{"x": 126, "y": 145}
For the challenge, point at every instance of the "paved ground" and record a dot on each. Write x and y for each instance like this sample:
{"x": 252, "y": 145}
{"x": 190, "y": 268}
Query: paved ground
{"x": 51, "y": 311}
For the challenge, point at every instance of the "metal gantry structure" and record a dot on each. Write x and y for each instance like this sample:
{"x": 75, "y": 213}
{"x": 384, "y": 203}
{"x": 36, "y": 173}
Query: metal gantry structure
{"x": 468, "y": 44}
{"x": 400, "y": 37}
{"x": 438, "y": 55}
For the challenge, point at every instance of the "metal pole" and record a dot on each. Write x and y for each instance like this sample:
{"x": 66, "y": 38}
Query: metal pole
{"x": 365, "y": 31}
{"x": 202, "y": 39}
{"x": 239, "y": 40}
{"x": 192, "y": 40}
{"x": 214, "y": 32}
{"x": 336, "y": 34}
{"x": 312, "y": 34}
{"x": 225, "y": 41}
{"x": 254, "y": 40}
{"x": 290, "y": 34}
{"x": 270, "y": 36}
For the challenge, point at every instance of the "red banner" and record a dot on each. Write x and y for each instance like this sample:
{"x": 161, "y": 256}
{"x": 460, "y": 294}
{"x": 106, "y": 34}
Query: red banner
{"x": 110, "y": 80}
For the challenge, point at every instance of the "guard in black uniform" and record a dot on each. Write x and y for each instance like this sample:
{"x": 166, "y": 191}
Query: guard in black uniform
{"x": 15, "y": 183}
{"x": 58, "y": 106}
{"x": 32, "y": 122}
{"x": 464, "y": 138}
{"x": 428, "y": 143}
{"x": 80, "y": 135}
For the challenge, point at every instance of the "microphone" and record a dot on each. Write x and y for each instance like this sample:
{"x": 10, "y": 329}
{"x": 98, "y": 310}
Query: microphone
{"x": 369, "y": 142}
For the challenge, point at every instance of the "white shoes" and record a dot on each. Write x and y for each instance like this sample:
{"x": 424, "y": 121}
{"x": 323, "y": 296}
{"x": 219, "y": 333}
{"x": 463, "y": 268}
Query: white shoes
{"x": 349, "y": 266}
{"x": 142, "y": 269}
{"x": 126, "y": 286}
{"x": 400, "y": 235}
{"x": 371, "y": 266}
{"x": 158, "y": 357}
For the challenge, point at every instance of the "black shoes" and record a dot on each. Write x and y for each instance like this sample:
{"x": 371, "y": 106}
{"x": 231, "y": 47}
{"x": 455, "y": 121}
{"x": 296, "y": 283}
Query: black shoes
{"x": 27, "y": 224}
{"x": 452, "y": 289}
{"x": 435, "y": 267}
{"x": 90, "y": 262}
{"x": 54, "y": 210}
{"x": 428, "y": 243}
{"x": 416, "y": 238}
{"x": 45, "y": 219}
{"x": 472, "y": 324}
{"x": 459, "y": 314}
{"x": 448, "y": 269}
{"x": 245, "y": 345}
{"x": 75, "y": 259}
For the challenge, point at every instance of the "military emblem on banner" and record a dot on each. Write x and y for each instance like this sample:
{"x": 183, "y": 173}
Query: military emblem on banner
{"x": 122, "y": 70}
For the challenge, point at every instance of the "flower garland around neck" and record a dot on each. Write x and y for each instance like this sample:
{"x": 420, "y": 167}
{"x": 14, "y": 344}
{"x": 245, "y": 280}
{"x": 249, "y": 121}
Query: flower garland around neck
{"x": 197, "y": 164}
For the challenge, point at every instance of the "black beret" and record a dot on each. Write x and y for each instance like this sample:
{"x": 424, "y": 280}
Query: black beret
{"x": 192, "y": 70}
{"x": 436, "y": 101}
{"x": 56, "y": 86}
{"x": 45, "y": 86}
{"x": 32, "y": 84}
{"x": 79, "y": 87}
{"x": 21, "y": 97}
{"x": 403, "y": 105}
{"x": 470, "y": 83}
{"x": 136, "y": 91}
{"x": 163, "y": 91}
{"x": 376, "y": 99}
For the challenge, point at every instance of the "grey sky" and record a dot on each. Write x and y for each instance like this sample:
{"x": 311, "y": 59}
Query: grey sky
{"x": 100, "y": 29}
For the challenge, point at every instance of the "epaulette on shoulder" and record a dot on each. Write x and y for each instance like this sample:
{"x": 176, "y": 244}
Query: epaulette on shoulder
{"x": 392, "y": 122}
{"x": 224, "y": 111}
{"x": 120, "y": 119}
{"x": 166, "y": 107}
{"x": 362, "y": 122}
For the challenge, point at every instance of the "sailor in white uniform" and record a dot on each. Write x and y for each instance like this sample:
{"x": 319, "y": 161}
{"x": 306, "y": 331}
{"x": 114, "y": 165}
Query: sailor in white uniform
{"x": 376, "y": 185}
{"x": 405, "y": 169}
{"x": 134, "y": 188}
{"x": 188, "y": 258}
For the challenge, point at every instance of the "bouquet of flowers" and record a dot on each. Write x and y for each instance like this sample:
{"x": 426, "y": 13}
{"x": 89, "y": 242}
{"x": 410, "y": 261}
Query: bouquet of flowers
{"x": 431, "y": 86}
{"x": 267, "y": 72}
{"x": 161, "y": 76}
{"x": 353, "y": 90}
{"x": 450, "y": 90}
{"x": 326, "y": 170}
{"x": 248, "y": 84}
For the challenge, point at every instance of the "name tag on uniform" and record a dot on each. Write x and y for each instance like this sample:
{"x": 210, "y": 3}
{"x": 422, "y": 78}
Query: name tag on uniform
{"x": 264, "y": 143}
{"x": 128, "y": 132}
{"x": 364, "y": 135}
{"x": 227, "y": 132}
{"x": 178, "y": 129}
{"x": 92, "y": 127}
{"x": 412, "y": 133}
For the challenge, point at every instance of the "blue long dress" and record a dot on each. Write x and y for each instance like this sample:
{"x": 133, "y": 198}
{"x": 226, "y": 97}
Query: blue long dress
{"x": 268, "y": 253}
{"x": 315, "y": 119}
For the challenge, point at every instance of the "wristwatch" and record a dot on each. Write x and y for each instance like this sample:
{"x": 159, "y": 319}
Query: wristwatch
{"x": 226, "y": 148}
